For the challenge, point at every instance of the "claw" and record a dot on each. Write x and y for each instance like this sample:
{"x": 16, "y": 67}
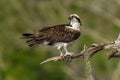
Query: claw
{"x": 67, "y": 57}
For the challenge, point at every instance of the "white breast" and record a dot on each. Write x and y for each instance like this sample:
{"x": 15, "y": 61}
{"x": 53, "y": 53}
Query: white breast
{"x": 59, "y": 45}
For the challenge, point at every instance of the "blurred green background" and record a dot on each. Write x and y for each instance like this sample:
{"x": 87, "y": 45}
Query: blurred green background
{"x": 101, "y": 23}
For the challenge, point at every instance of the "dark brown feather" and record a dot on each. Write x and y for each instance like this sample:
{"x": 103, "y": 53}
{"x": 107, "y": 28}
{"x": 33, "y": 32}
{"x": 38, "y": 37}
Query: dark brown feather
{"x": 58, "y": 33}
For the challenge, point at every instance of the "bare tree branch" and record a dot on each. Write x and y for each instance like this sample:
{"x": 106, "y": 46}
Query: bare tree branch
{"x": 67, "y": 58}
{"x": 90, "y": 51}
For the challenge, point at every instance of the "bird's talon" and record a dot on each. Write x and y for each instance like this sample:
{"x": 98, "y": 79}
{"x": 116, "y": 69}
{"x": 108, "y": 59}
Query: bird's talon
{"x": 67, "y": 58}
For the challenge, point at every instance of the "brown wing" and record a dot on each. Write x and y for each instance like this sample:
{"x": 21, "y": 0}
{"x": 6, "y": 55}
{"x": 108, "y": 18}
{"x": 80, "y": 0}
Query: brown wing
{"x": 58, "y": 33}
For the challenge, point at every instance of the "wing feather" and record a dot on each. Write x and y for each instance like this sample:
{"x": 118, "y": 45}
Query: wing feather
{"x": 58, "y": 33}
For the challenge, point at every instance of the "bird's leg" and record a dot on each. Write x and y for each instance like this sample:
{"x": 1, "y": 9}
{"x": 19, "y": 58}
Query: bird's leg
{"x": 61, "y": 53}
{"x": 60, "y": 49}
{"x": 67, "y": 53}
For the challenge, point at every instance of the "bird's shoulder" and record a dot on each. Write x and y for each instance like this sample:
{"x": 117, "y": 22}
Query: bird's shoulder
{"x": 56, "y": 27}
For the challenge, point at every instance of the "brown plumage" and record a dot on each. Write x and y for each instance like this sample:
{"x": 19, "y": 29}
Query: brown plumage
{"x": 58, "y": 33}
{"x": 59, "y": 36}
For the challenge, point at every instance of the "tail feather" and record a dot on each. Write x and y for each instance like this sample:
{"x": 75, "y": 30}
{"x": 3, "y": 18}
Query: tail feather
{"x": 32, "y": 44}
{"x": 31, "y": 40}
{"x": 28, "y": 35}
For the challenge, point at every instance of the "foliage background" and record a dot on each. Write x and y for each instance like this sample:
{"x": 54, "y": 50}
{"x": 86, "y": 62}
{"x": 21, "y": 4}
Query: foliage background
{"x": 101, "y": 23}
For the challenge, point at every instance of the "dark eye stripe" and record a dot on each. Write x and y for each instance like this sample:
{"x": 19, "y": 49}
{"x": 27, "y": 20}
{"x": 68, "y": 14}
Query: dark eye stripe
{"x": 79, "y": 20}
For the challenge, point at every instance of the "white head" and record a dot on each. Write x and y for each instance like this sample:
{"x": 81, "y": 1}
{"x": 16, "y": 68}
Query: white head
{"x": 75, "y": 21}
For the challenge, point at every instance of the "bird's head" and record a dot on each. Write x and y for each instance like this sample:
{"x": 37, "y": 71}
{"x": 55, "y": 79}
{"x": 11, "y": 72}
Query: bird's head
{"x": 74, "y": 18}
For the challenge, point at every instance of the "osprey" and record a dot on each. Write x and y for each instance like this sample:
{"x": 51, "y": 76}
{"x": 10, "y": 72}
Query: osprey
{"x": 59, "y": 36}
